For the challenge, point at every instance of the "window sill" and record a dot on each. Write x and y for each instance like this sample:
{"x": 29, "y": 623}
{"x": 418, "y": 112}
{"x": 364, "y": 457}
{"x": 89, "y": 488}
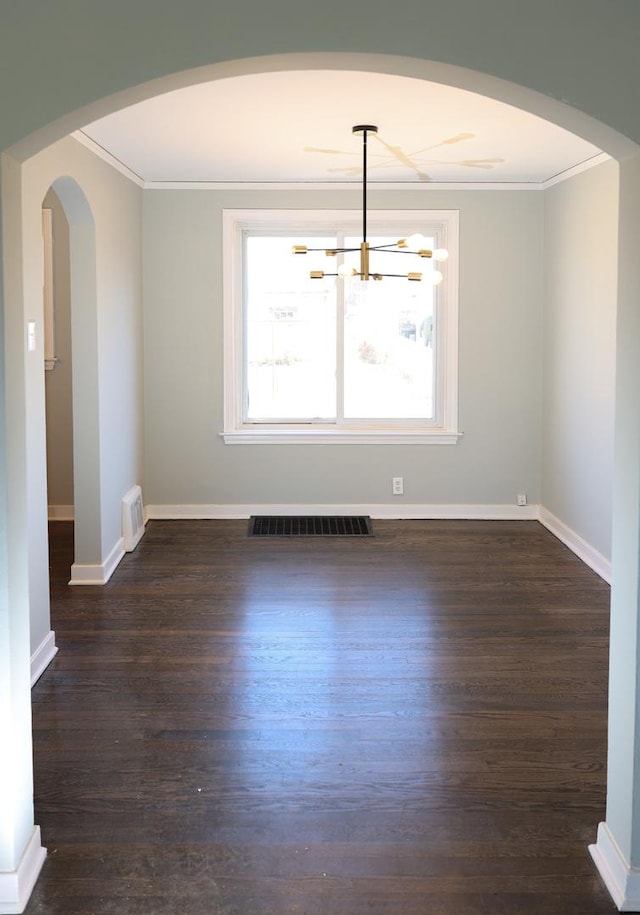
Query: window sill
{"x": 339, "y": 437}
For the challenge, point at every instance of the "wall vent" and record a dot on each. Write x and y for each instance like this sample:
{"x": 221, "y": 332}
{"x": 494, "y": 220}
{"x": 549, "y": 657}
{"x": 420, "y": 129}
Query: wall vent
{"x": 132, "y": 518}
{"x": 310, "y": 526}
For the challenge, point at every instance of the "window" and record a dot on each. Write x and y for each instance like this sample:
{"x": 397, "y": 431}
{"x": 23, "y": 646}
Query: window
{"x": 331, "y": 360}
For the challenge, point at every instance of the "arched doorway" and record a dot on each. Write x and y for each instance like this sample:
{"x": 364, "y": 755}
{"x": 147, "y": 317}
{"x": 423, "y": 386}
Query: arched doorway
{"x": 84, "y": 375}
{"x": 70, "y": 383}
{"x": 630, "y": 277}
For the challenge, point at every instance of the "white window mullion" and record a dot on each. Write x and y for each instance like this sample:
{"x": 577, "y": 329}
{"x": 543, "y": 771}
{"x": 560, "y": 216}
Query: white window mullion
{"x": 340, "y": 316}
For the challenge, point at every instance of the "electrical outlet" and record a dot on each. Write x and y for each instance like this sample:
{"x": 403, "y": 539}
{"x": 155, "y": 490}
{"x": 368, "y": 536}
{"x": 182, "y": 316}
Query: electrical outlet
{"x": 397, "y": 486}
{"x": 522, "y": 498}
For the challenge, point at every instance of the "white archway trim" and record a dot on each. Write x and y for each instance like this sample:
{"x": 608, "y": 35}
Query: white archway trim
{"x": 21, "y": 852}
{"x": 557, "y": 111}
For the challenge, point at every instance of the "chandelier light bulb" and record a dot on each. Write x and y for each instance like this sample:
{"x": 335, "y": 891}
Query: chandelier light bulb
{"x": 416, "y": 242}
{"x": 435, "y": 278}
{"x": 345, "y": 272}
{"x": 440, "y": 254}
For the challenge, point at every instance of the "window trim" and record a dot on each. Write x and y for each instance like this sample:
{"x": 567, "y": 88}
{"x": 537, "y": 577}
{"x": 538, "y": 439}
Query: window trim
{"x": 235, "y": 431}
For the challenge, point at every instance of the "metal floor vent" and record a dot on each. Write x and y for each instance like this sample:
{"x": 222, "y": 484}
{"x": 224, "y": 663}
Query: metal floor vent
{"x": 310, "y": 526}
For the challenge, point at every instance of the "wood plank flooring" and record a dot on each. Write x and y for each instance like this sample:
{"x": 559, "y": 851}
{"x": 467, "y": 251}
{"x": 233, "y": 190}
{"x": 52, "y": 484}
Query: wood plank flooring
{"x": 413, "y": 723}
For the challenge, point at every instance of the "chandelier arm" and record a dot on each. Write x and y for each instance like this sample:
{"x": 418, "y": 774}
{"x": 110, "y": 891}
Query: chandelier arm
{"x": 342, "y": 250}
{"x": 391, "y": 249}
{"x": 320, "y": 274}
{"x": 400, "y": 276}
{"x": 333, "y": 250}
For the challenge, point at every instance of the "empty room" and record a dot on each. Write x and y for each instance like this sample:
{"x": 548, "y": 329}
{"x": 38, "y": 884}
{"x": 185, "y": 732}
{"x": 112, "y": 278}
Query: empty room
{"x": 321, "y": 472}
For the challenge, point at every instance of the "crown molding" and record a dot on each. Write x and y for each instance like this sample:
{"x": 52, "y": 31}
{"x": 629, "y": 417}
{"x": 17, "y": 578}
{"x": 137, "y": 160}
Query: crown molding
{"x": 419, "y": 187}
{"x": 373, "y": 186}
{"x": 575, "y": 170}
{"x": 106, "y": 156}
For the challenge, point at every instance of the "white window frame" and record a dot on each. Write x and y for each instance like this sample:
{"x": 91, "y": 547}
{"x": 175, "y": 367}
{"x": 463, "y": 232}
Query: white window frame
{"x": 444, "y": 431}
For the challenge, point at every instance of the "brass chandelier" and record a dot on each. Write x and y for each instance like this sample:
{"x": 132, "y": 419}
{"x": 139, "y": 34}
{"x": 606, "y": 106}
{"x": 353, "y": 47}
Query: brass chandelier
{"x": 411, "y": 245}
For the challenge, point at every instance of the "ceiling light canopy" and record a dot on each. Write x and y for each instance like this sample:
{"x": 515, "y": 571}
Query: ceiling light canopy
{"x": 414, "y": 244}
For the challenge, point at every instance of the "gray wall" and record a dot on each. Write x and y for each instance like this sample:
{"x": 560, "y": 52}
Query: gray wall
{"x": 581, "y": 261}
{"x": 187, "y": 462}
{"x": 528, "y": 260}
{"x": 104, "y": 212}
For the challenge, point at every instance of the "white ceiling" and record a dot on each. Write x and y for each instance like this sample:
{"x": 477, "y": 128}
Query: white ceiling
{"x": 296, "y": 127}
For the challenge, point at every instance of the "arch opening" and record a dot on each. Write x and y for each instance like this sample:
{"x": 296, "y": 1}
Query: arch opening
{"x": 557, "y": 112}
{"x": 82, "y": 226}
{"x": 84, "y": 370}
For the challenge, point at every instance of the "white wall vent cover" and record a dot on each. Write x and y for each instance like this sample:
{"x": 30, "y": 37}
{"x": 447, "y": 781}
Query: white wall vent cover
{"x": 132, "y": 518}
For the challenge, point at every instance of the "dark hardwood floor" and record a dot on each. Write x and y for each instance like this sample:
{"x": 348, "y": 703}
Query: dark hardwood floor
{"x": 413, "y": 724}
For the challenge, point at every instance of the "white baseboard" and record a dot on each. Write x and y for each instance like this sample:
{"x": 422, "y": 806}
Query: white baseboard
{"x": 43, "y": 656}
{"x": 16, "y": 886}
{"x": 590, "y": 556}
{"x": 622, "y": 881}
{"x": 61, "y": 513}
{"x": 97, "y": 574}
{"x": 380, "y": 510}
